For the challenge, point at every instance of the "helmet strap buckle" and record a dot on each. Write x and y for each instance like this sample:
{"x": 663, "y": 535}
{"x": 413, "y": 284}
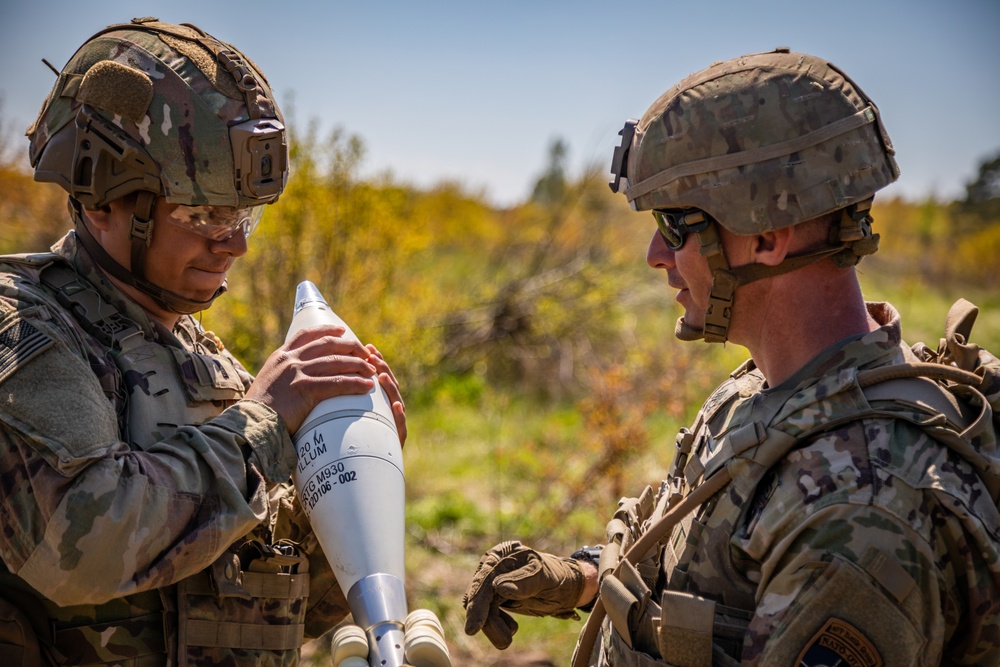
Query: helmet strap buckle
{"x": 723, "y": 290}
{"x": 141, "y": 230}
{"x": 854, "y": 224}
{"x": 853, "y": 234}
{"x": 724, "y": 284}
{"x": 720, "y": 306}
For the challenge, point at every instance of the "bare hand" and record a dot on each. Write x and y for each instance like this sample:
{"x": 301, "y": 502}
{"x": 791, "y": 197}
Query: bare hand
{"x": 391, "y": 386}
{"x": 314, "y": 365}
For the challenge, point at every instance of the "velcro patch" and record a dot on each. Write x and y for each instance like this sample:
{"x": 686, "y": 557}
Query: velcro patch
{"x": 839, "y": 643}
{"x": 20, "y": 343}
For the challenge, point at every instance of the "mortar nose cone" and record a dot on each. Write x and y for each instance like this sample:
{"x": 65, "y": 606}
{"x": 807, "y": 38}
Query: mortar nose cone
{"x": 307, "y": 293}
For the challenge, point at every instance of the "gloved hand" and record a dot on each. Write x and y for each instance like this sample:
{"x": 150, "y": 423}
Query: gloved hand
{"x": 520, "y": 579}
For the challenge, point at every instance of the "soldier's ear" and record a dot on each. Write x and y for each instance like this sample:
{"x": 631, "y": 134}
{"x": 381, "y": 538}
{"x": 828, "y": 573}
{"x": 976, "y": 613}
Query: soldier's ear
{"x": 99, "y": 219}
{"x": 117, "y": 211}
{"x": 771, "y": 248}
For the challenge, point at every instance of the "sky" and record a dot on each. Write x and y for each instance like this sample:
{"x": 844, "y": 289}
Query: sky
{"x": 476, "y": 92}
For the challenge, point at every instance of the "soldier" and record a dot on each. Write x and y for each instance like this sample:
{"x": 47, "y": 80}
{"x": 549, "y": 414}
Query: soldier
{"x": 146, "y": 511}
{"x": 817, "y": 511}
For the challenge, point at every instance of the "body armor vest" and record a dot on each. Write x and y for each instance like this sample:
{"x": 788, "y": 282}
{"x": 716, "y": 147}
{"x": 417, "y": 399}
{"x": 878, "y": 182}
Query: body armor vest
{"x": 165, "y": 384}
{"x": 746, "y": 432}
{"x": 249, "y": 606}
{"x": 630, "y": 636}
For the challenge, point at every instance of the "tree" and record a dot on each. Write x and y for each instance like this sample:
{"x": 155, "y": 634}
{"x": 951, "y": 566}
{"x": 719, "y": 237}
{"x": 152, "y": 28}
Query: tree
{"x": 357, "y": 240}
{"x": 549, "y": 293}
{"x": 982, "y": 195}
{"x": 8, "y": 155}
{"x": 550, "y": 189}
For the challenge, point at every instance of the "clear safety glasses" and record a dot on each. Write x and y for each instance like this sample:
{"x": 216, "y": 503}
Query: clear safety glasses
{"x": 217, "y": 222}
{"x": 675, "y": 225}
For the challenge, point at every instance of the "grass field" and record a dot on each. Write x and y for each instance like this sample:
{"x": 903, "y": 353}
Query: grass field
{"x": 486, "y": 464}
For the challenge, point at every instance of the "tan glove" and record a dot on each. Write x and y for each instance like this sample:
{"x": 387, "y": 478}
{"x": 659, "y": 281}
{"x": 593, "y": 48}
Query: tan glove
{"x": 521, "y": 580}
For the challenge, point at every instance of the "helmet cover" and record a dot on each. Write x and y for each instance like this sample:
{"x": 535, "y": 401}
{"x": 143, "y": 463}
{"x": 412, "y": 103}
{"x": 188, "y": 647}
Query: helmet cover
{"x": 163, "y": 108}
{"x": 759, "y": 142}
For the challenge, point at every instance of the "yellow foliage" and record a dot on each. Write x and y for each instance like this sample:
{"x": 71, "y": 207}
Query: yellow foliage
{"x": 978, "y": 256}
{"x": 481, "y": 312}
{"x": 32, "y": 215}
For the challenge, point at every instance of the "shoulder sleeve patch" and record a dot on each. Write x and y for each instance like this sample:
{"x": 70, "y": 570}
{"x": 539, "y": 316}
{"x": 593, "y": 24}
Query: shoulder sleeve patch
{"x": 839, "y": 615}
{"x": 20, "y": 342}
{"x": 839, "y": 643}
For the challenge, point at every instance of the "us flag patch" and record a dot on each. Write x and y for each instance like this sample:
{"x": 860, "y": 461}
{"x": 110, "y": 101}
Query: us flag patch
{"x": 20, "y": 343}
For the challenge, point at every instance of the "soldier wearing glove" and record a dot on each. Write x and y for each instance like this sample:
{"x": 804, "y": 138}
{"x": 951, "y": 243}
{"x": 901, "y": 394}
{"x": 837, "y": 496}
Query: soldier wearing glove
{"x": 515, "y": 578}
{"x": 816, "y": 508}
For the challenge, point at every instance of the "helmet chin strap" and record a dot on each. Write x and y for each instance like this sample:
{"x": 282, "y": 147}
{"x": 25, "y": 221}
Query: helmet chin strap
{"x": 851, "y": 238}
{"x": 722, "y": 295}
{"x": 141, "y": 235}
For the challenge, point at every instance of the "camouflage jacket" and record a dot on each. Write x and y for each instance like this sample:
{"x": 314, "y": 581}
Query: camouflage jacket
{"x": 868, "y": 542}
{"x": 107, "y": 504}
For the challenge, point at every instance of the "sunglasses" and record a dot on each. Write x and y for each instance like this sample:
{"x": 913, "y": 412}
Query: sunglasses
{"x": 675, "y": 225}
{"x": 217, "y": 223}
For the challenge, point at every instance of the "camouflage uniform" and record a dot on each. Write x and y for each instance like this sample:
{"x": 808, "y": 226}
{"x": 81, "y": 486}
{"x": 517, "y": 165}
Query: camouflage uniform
{"x": 867, "y": 541}
{"x": 143, "y": 502}
{"x": 839, "y": 518}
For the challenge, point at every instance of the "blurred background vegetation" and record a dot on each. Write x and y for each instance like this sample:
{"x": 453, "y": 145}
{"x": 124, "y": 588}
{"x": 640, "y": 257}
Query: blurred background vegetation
{"x": 534, "y": 346}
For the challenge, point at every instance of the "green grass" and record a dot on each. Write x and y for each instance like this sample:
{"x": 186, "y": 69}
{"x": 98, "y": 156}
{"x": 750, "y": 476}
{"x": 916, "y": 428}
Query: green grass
{"x": 486, "y": 463}
{"x": 923, "y": 308}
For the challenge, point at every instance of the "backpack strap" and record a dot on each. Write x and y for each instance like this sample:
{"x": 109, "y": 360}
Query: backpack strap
{"x": 958, "y": 413}
{"x": 913, "y": 386}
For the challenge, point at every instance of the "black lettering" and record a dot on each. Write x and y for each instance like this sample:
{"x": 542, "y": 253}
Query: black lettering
{"x": 310, "y": 451}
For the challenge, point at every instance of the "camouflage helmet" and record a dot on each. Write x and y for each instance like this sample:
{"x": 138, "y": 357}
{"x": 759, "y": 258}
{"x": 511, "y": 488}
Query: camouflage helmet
{"x": 759, "y": 142}
{"x": 163, "y": 108}
{"x": 168, "y": 112}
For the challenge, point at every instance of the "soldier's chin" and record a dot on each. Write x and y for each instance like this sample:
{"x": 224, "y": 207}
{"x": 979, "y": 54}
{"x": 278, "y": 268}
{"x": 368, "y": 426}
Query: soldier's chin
{"x": 201, "y": 285}
{"x": 686, "y": 332}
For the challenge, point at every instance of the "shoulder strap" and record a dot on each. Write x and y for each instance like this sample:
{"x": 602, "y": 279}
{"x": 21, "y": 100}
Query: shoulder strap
{"x": 921, "y": 393}
{"x": 101, "y": 319}
{"x": 913, "y": 392}
{"x": 957, "y": 412}
{"x": 910, "y": 386}
{"x": 37, "y": 260}
{"x": 917, "y": 369}
{"x": 657, "y": 532}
